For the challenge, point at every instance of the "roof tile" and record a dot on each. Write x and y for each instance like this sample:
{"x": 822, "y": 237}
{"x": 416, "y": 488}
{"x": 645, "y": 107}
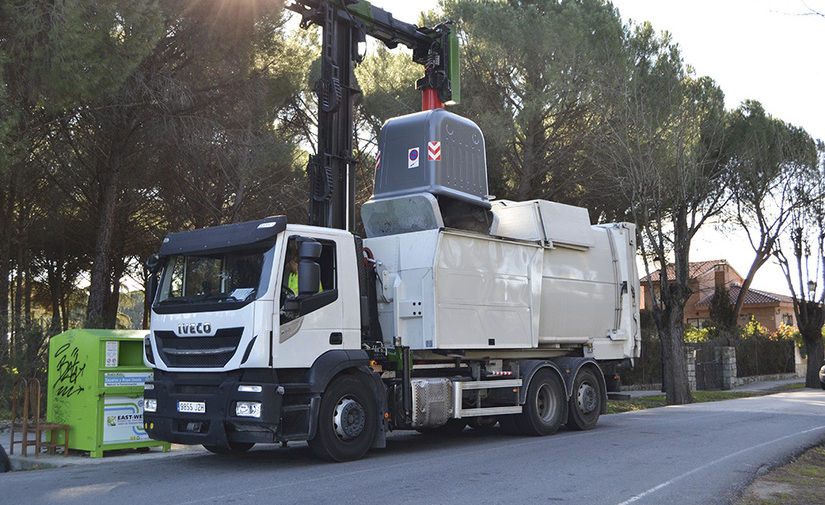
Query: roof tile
{"x": 752, "y": 297}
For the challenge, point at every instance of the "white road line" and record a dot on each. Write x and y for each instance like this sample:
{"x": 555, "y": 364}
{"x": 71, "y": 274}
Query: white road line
{"x": 708, "y": 465}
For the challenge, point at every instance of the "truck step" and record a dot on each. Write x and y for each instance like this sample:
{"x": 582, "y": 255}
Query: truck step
{"x": 460, "y": 386}
{"x": 489, "y": 411}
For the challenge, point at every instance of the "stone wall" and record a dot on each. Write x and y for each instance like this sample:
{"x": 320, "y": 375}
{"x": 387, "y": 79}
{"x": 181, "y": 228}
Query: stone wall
{"x": 690, "y": 359}
{"x": 727, "y": 357}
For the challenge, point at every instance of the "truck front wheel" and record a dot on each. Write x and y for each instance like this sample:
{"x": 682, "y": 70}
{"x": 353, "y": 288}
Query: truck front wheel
{"x": 544, "y": 408}
{"x": 347, "y": 421}
{"x": 586, "y": 401}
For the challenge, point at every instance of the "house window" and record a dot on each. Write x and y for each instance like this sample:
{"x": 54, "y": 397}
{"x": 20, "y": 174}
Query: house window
{"x": 698, "y": 322}
{"x": 787, "y": 319}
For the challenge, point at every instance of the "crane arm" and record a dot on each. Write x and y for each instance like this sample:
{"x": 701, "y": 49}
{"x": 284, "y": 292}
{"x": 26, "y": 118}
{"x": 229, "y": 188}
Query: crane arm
{"x": 345, "y": 24}
{"x": 437, "y": 48}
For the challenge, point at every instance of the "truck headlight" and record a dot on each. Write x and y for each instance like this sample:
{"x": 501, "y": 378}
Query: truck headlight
{"x": 249, "y": 388}
{"x": 248, "y": 409}
{"x": 150, "y": 405}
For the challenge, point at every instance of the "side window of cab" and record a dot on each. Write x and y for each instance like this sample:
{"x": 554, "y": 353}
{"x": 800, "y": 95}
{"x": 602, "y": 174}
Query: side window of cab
{"x": 310, "y": 277}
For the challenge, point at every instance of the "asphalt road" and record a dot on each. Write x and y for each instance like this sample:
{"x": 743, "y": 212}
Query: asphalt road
{"x": 702, "y": 453}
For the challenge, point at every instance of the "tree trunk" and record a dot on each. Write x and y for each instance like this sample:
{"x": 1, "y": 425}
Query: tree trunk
{"x": 671, "y": 331}
{"x": 17, "y": 301}
{"x": 100, "y": 285}
{"x": 114, "y": 298}
{"x": 29, "y": 290}
{"x": 811, "y": 319}
{"x": 816, "y": 358}
{"x": 55, "y": 283}
{"x": 117, "y": 267}
{"x": 6, "y": 198}
{"x": 64, "y": 309}
{"x": 670, "y": 321}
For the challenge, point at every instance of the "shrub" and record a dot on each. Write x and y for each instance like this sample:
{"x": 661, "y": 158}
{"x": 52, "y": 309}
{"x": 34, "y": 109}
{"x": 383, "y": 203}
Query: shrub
{"x": 693, "y": 334}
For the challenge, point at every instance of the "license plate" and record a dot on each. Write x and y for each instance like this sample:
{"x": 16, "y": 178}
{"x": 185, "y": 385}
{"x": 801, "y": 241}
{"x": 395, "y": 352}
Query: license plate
{"x": 193, "y": 407}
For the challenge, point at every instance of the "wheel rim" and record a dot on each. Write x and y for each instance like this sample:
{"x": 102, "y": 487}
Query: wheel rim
{"x": 348, "y": 419}
{"x": 546, "y": 403}
{"x": 586, "y": 398}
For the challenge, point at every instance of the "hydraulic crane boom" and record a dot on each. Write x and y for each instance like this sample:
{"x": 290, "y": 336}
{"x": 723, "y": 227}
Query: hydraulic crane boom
{"x": 345, "y": 24}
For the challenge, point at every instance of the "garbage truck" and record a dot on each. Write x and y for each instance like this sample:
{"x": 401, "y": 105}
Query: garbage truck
{"x": 453, "y": 310}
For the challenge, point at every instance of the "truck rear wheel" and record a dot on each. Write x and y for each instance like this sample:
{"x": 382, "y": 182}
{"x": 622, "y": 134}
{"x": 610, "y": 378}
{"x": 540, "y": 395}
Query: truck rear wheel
{"x": 586, "y": 401}
{"x": 347, "y": 421}
{"x": 544, "y": 408}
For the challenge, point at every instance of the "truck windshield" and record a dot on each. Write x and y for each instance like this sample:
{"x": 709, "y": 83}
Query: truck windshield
{"x": 211, "y": 278}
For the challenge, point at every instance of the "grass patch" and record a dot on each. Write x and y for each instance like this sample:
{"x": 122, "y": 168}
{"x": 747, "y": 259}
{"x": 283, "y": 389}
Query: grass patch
{"x": 718, "y": 396}
{"x": 651, "y": 402}
{"x": 800, "y": 482}
{"x": 635, "y": 403}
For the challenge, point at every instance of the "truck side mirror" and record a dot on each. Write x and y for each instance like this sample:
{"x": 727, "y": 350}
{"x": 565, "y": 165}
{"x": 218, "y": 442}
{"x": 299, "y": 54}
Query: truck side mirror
{"x": 151, "y": 289}
{"x": 309, "y": 271}
{"x": 154, "y": 264}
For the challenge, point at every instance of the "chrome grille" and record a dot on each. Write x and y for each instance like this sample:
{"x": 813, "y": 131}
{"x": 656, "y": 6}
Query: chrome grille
{"x": 202, "y": 352}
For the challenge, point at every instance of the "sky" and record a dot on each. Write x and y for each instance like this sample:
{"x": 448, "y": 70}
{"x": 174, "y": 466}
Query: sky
{"x": 765, "y": 50}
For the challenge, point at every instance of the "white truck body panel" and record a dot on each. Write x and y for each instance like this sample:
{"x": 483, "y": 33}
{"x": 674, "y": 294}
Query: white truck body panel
{"x": 542, "y": 221}
{"x": 573, "y": 285}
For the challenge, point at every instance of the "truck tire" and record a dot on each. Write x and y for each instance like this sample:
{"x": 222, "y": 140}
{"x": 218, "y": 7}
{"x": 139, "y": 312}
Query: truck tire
{"x": 347, "y": 421}
{"x": 234, "y": 448}
{"x": 585, "y": 402}
{"x": 544, "y": 409}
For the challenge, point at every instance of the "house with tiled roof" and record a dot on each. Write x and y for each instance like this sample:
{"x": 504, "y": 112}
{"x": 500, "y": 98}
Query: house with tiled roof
{"x": 769, "y": 309}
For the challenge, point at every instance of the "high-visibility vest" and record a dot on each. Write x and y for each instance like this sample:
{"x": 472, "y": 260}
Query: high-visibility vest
{"x": 293, "y": 283}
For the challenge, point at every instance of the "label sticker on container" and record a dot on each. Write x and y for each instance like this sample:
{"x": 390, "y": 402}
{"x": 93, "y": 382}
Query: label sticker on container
{"x": 123, "y": 420}
{"x": 111, "y": 353}
{"x": 434, "y": 151}
{"x": 412, "y": 158}
{"x": 132, "y": 379}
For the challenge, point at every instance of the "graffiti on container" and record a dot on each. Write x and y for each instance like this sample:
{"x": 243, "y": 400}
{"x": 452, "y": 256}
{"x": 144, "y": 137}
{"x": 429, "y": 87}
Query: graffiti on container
{"x": 69, "y": 370}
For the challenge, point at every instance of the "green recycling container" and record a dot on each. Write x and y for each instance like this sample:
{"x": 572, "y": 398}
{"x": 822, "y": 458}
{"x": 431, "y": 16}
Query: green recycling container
{"x": 96, "y": 382}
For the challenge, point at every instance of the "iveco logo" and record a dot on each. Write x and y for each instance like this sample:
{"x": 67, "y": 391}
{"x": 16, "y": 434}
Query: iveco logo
{"x": 195, "y": 329}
